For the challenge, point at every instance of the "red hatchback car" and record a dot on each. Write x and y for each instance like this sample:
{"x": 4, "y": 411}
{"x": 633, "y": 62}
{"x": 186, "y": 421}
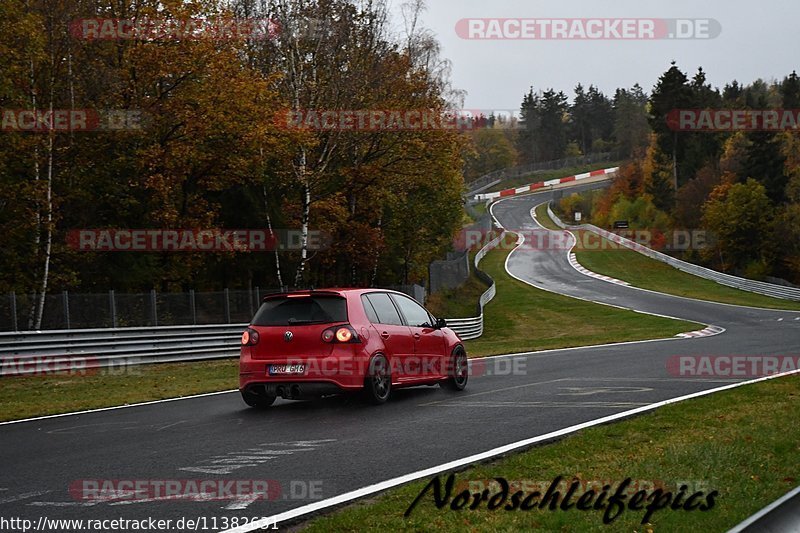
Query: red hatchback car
{"x": 308, "y": 344}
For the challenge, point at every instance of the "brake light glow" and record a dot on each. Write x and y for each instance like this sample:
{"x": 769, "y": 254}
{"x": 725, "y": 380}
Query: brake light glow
{"x": 340, "y": 334}
{"x": 343, "y": 335}
{"x": 249, "y": 337}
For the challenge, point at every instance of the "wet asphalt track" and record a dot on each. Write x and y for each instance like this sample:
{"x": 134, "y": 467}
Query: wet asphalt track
{"x": 338, "y": 444}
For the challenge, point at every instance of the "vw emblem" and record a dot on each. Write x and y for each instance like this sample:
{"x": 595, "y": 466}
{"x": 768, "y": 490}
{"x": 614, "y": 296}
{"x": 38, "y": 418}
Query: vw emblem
{"x": 288, "y": 336}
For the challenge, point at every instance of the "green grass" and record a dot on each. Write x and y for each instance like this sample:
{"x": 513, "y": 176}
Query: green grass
{"x": 479, "y": 209}
{"x": 641, "y": 271}
{"x": 736, "y": 442}
{"x": 461, "y": 302}
{"x": 23, "y": 397}
{"x": 520, "y": 318}
{"x": 544, "y": 219}
{"x": 549, "y": 175}
{"x": 524, "y": 318}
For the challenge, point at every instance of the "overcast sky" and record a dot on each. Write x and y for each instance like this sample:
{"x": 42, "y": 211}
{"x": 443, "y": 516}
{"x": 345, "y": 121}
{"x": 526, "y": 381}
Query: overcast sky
{"x": 759, "y": 39}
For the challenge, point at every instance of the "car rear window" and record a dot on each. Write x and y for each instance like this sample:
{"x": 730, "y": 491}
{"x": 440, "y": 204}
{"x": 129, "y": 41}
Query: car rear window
{"x": 295, "y": 310}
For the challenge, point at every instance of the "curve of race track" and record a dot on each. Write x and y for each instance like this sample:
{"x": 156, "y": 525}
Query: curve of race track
{"x": 337, "y": 445}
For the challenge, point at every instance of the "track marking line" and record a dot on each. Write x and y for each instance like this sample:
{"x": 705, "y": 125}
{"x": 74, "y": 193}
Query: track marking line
{"x": 573, "y": 262}
{"x": 521, "y": 240}
{"x": 765, "y": 511}
{"x": 472, "y": 459}
{"x": 582, "y": 405}
{"x": 23, "y": 496}
{"x": 494, "y": 391}
{"x": 698, "y": 299}
{"x": 112, "y": 408}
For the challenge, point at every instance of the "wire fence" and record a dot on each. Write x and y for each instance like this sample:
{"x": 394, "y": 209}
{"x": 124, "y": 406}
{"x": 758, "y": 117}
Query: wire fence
{"x": 454, "y": 270}
{"x": 68, "y": 310}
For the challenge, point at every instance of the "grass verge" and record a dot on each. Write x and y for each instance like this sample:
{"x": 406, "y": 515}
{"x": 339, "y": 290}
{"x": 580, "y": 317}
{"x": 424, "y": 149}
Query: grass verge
{"x": 706, "y": 443}
{"x": 24, "y": 397}
{"x": 461, "y": 302}
{"x": 523, "y": 318}
{"x": 544, "y": 219}
{"x": 646, "y": 273}
{"x": 520, "y": 318}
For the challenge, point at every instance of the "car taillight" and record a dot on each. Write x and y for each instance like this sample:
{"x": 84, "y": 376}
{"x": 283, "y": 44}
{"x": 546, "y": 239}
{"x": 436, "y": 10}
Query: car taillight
{"x": 340, "y": 334}
{"x": 249, "y": 337}
{"x": 344, "y": 335}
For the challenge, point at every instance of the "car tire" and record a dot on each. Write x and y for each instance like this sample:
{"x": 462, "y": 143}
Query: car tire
{"x": 378, "y": 381}
{"x": 459, "y": 369}
{"x": 258, "y": 401}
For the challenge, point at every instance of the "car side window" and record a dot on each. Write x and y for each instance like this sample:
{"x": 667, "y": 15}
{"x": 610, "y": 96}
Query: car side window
{"x": 372, "y": 316}
{"x": 415, "y": 314}
{"x": 386, "y": 311}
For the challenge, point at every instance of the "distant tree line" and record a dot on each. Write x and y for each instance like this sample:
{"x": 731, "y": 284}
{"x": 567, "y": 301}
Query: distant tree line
{"x": 549, "y": 127}
{"x": 741, "y": 186}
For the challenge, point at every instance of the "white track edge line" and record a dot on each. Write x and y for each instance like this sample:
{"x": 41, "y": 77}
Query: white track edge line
{"x": 769, "y": 508}
{"x": 113, "y": 407}
{"x": 689, "y": 297}
{"x": 521, "y": 239}
{"x": 400, "y": 480}
{"x": 191, "y": 397}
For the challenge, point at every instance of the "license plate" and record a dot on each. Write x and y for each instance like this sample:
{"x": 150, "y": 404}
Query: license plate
{"x": 278, "y": 370}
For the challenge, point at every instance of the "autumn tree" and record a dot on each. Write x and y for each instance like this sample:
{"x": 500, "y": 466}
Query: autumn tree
{"x": 740, "y": 217}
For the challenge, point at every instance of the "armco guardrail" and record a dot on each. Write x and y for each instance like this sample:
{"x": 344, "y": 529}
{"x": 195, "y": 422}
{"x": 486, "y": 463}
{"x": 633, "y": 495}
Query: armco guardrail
{"x": 472, "y": 328}
{"x": 31, "y": 352}
{"x": 493, "y": 178}
{"x": 760, "y": 287}
{"x": 603, "y": 174}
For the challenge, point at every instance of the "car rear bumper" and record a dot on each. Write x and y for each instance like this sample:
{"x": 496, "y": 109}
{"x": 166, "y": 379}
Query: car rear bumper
{"x": 294, "y": 390}
{"x": 343, "y": 370}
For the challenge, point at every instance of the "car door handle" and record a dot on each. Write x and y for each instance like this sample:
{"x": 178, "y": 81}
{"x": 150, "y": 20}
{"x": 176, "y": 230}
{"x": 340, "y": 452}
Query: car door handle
{"x": 385, "y": 335}
{"x": 416, "y": 336}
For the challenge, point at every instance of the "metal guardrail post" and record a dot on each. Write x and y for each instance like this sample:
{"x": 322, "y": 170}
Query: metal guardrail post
{"x": 65, "y": 302}
{"x": 227, "y": 306}
{"x": 112, "y": 307}
{"x": 192, "y": 306}
{"x": 13, "y": 297}
{"x": 153, "y": 310}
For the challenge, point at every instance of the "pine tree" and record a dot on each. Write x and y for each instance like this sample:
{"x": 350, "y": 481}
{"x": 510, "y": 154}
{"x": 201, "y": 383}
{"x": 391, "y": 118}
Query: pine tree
{"x": 671, "y": 92}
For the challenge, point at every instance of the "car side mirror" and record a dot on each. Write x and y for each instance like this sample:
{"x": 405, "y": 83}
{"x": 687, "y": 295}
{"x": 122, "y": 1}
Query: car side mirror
{"x": 441, "y": 323}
